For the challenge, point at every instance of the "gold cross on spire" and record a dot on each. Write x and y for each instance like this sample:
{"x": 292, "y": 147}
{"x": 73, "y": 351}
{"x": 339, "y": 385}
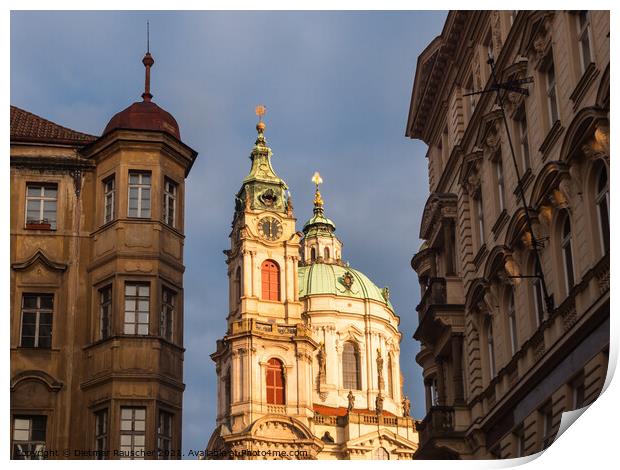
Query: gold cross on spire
{"x": 316, "y": 179}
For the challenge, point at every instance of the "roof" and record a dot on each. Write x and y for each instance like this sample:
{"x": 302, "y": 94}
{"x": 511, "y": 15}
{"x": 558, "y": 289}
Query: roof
{"x": 145, "y": 116}
{"x": 325, "y": 278}
{"x": 432, "y": 71}
{"x": 28, "y": 127}
{"x": 319, "y": 225}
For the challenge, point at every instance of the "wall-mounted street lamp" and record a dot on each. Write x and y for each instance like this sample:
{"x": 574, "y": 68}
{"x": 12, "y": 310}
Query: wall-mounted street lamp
{"x": 515, "y": 86}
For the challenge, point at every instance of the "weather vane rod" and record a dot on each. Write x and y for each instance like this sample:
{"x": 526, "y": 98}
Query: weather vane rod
{"x": 148, "y": 49}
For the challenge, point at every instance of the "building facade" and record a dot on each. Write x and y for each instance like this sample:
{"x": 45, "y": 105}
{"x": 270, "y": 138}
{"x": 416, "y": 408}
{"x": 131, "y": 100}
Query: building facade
{"x": 509, "y": 342}
{"x": 309, "y": 365}
{"x": 97, "y": 233}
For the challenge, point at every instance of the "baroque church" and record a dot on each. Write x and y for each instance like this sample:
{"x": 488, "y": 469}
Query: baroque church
{"x": 309, "y": 365}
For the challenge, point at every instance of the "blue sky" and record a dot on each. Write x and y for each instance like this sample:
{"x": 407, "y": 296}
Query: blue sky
{"x": 337, "y": 87}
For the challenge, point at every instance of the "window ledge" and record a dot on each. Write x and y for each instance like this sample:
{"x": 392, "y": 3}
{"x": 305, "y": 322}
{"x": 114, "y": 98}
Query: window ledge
{"x": 551, "y": 138}
{"x": 113, "y": 338}
{"x": 526, "y": 179}
{"x": 40, "y": 226}
{"x": 482, "y": 252}
{"x": 502, "y": 219}
{"x": 583, "y": 84}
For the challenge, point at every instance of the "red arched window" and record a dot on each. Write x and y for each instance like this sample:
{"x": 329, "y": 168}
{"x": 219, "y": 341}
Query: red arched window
{"x": 275, "y": 382}
{"x": 270, "y": 277}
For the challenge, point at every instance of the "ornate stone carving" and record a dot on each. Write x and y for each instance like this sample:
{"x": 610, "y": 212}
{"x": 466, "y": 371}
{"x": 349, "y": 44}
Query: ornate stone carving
{"x": 406, "y": 406}
{"x": 351, "y": 401}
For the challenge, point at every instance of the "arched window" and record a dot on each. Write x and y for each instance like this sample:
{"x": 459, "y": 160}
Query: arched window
{"x": 351, "y": 366}
{"x": 313, "y": 254}
{"x": 275, "y": 382}
{"x": 602, "y": 206}
{"x": 390, "y": 377}
{"x": 270, "y": 278}
{"x": 512, "y": 323}
{"x": 567, "y": 254}
{"x": 238, "y": 285}
{"x": 490, "y": 348}
{"x": 326, "y": 253}
{"x": 381, "y": 454}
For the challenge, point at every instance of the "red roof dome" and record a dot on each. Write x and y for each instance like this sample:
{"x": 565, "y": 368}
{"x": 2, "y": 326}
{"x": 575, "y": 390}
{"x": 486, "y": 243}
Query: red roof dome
{"x": 144, "y": 115}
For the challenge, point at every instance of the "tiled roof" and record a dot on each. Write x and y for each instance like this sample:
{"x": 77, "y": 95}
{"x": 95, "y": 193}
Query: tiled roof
{"x": 28, "y": 127}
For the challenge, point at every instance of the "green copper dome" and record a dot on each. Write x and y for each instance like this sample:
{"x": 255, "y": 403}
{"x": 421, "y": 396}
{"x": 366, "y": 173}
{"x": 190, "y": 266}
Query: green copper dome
{"x": 319, "y": 225}
{"x": 343, "y": 281}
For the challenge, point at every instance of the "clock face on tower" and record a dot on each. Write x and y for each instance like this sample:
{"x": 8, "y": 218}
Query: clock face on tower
{"x": 269, "y": 228}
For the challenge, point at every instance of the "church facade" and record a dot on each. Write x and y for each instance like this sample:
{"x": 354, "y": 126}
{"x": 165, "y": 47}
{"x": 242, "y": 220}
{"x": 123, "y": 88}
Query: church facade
{"x": 309, "y": 365}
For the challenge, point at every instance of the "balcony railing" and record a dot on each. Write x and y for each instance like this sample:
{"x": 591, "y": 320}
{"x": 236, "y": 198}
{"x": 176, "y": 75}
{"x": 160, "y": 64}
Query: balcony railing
{"x": 438, "y": 422}
{"x": 435, "y": 294}
{"x": 363, "y": 418}
{"x": 250, "y": 325}
{"x": 276, "y": 409}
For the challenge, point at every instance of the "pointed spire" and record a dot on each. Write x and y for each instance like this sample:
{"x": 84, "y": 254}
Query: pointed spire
{"x": 148, "y": 62}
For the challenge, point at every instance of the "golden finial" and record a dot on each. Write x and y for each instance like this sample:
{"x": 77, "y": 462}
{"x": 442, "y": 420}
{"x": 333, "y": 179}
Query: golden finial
{"x": 316, "y": 179}
{"x": 260, "y": 111}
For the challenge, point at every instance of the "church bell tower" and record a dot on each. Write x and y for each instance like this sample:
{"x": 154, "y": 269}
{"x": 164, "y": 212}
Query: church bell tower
{"x": 264, "y": 362}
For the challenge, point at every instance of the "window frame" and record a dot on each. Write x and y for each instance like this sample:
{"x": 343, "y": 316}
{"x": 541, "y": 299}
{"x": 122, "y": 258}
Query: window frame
{"x": 480, "y": 220}
{"x": 141, "y": 188}
{"x": 132, "y": 432}
{"x": 106, "y": 309}
{"x": 584, "y": 34}
{"x": 601, "y": 200}
{"x": 37, "y": 311}
{"x": 271, "y": 289}
{"x": 524, "y": 141}
{"x": 390, "y": 377}
{"x": 501, "y": 184}
{"x": 512, "y": 323}
{"x": 136, "y": 299}
{"x": 551, "y": 90}
{"x": 164, "y": 441}
{"x": 566, "y": 244}
{"x": 34, "y": 451}
{"x": 275, "y": 372}
{"x": 490, "y": 340}
{"x": 109, "y": 199}
{"x": 170, "y": 202}
{"x": 539, "y": 302}
{"x": 102, "y": 433}
{"x": 42, "y": 199}
{"x": 348, "y": 382}
{"x": 167, "y": 313}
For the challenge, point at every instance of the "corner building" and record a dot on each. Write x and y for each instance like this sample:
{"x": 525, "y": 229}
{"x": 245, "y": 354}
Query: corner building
{"x": 309, "y": 365}
{"x": 97, "y": 234}
{"x": 500, "y": 366}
